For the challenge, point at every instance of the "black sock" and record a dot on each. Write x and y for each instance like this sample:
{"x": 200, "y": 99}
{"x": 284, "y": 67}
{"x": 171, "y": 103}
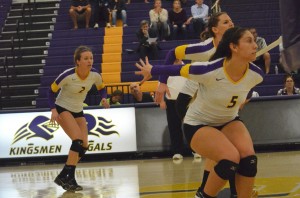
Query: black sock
{"x": 204, "y": 180}
{"x": 232, "y": 186}
{"x": 68, "y": 170}
{"x": 206, "y": 196}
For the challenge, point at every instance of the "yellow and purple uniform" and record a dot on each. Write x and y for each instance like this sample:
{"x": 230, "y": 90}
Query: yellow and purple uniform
{"x": 73, "y": 89}
{"x": 220, "y": 96}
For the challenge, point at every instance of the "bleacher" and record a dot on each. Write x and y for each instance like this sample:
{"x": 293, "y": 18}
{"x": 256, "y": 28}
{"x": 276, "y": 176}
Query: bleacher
{"x": 111, "y": 46}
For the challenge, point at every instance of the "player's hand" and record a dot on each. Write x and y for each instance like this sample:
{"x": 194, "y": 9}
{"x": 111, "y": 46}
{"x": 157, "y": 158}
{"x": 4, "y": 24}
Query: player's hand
{"x": 104, "y": 103}
{"x": 145, "y": 70}
{"x": 163, "y": 105}
{"x": 160, "y": 92}
{"x": 54, "y": 117}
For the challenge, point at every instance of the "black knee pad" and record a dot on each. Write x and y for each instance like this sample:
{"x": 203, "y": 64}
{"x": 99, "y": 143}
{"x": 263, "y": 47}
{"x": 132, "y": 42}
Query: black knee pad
{"x": 82, "y": 153}
{"x": 77, "y": 146}
{"x": 248, "y": 166}
{"x": 226, "y": 169}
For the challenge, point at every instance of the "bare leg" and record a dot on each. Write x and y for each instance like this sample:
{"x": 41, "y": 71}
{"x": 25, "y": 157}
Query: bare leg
{"x": 267, "y": 59}
{"x": 214, "y": 150}
{"x": 238, "y": 134}
{"x": 73, "y": 15}
{"x": 87, "y": 13}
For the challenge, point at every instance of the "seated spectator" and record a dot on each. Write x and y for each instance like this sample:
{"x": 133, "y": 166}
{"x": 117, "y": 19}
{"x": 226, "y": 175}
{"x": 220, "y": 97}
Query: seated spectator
{"x": 101, "y": 12}
{"x": 80, "y": 9}
{"x": 115, "y": 98}
{"x": 199, "y": 17}
{"x": 138, "y": 95}
{"x": 159, "y": 20}
{"x": 146, "y": 47}
{"x": 264, "y": 60}
{"x": 128, "y": 2}
{"x": 177, "y": 19}
{"x": 289, "y": 87}
{"x": 118, "y": 10}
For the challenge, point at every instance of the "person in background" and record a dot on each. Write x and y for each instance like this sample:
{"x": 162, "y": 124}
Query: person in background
{"x": 199, "y": 17}
{"x": 178, "y": 19}
{"x": 138, "y": 95}
{"x": 101, "y": 12}
{"x": 159, "y": 20}
{"x": 115, "y": 98}
{"x": 80, "y": 9}
{"x": 265, "y": 59}
{"x": 67, "y": 110}
{"x": 289, "y": 87}
{"x": 118, "y": 9}
{"x": 146, "y": 47}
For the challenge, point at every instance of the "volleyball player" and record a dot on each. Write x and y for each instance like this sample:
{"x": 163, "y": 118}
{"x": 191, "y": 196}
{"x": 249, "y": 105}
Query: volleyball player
{"x": 212, "y": 125}
{"x": 67, "y": 110}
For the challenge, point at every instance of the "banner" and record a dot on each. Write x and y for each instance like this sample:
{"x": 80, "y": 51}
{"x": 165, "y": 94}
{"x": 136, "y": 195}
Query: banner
{"x": 31, "y": 135}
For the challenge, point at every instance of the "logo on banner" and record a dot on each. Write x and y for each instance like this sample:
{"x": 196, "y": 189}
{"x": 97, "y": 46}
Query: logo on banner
{"x": 40, "y": 127}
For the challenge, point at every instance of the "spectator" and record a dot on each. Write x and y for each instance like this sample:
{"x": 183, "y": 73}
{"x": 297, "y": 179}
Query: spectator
{"x": 101, "y": 12}
{"x": 177, "y": 19}
{"x": 289, "y": 87}
{"x": 118, "y": 9}
{"x": 265, "y": 59}
{"x": 199, "y": 17}
{"x": 159, "y": 20}
{"x": 138, "y": 95}
{"x": 80, "y": 9}
{"x": 115, "y": 98}
{"x": 128, "y": 2}
{"x": 146, "y": 47}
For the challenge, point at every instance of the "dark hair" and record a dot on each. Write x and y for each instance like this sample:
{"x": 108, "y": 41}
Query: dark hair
{"x": 288, "y": 76}
{"x": 79, "y": 50}
{"x": 212, "y": 22}
{"x": 143, "y": 22}
{"x": 232, "y": 35}
{"x": 117, "y": 93}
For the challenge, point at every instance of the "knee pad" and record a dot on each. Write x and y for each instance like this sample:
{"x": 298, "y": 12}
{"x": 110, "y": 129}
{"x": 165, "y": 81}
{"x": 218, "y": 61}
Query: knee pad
{"x": 77, "y": 146}
{"x": 82, "y": 152}
{"x": 226, "y": 169}
{"x": 248, "y": 166}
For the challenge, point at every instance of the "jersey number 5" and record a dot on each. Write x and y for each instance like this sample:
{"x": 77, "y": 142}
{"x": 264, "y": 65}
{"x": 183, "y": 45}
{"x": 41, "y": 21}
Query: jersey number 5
{"x": 233, "y": 101}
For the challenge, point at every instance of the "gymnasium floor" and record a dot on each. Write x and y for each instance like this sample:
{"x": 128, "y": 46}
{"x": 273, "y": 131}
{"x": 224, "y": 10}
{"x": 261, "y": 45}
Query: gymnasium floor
{"x": 278, "y": 176}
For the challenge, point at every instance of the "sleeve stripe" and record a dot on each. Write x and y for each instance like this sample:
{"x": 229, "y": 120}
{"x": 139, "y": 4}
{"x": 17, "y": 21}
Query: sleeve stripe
{"x": 180, "y": 52}
{"x": 54, "y": 87}
{"x": 185, "y": 70}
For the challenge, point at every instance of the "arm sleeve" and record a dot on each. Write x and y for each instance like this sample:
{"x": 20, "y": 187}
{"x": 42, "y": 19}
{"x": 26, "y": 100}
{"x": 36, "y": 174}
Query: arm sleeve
{"x": 53, "y": 89}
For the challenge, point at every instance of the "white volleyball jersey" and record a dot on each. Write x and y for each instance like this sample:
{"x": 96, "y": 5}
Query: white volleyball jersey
{"x": 73, "y": 89}
{"x": 219, "y": 97}
{"x": 199, "y": 52}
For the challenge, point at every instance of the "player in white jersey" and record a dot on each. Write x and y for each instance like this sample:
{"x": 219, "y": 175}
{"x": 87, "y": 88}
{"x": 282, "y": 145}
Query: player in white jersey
{"x": 67, "y": 110}
{"x": 185, "y": 89}
{"x": 212, "y": 126}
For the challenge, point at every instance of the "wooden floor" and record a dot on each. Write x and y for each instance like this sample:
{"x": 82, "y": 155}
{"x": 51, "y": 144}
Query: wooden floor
{"x": 278, "y": 176}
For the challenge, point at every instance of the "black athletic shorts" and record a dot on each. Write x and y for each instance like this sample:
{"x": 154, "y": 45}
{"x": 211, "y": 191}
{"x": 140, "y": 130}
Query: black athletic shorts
{"x": 60, "y": 109}
{"x": 190, "y": 130}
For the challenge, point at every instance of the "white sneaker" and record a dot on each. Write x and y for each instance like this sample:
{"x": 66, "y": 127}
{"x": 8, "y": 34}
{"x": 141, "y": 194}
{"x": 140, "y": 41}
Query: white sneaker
{"x": 113, "y": 26}
{"x": 196, "y": 155}
{"x": 96, "y": 25}
{"x": 177, "y": 157}
{"x": 108, "y": 25}
{"x": 125, "y": 25}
